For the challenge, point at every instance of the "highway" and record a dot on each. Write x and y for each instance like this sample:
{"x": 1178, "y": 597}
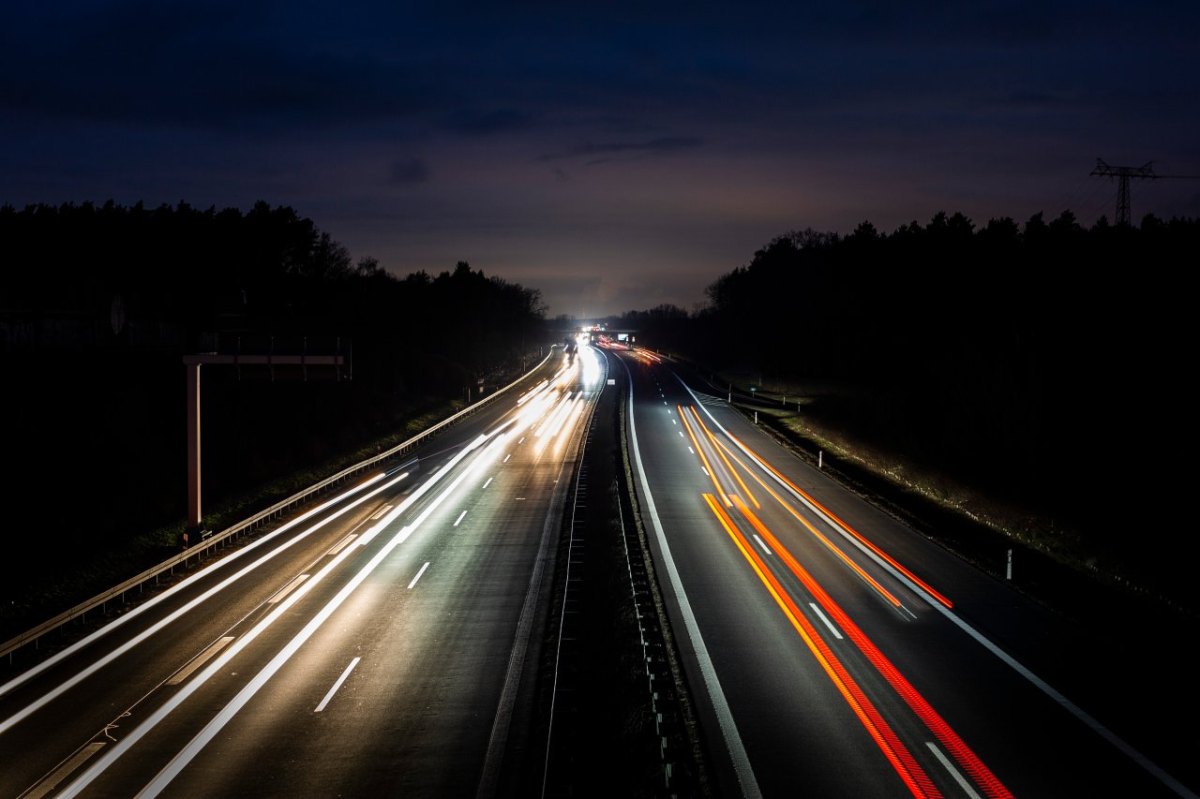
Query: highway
{"x": 833, "y": 652}
{"x": 380, "y": 644}
{"x": 385, "y": 641}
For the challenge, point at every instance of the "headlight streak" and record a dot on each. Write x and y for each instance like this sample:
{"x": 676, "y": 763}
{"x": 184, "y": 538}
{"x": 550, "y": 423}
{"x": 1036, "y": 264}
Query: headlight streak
{"x": 533, "y": 392}
{"x": 889, "y": 743}
{"x": 424, "y": 488}
{"x": 161, "y": 624}
{"x": 900, "y": 684}
{"x": 180, "y": 761}
{"x": 183, "y": 584}
{"x": 708, "y": 471}
{"x": 591, "y": 368}
{"x": 572, "y": 420}
{"x": 532, "y": 414}
{"x": 550, "y": 426}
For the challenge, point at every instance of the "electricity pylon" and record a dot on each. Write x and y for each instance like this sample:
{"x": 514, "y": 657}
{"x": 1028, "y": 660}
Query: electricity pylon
{"x": 1123, "y": 174}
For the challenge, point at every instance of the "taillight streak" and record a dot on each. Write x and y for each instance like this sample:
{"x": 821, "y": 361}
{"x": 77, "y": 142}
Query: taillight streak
{"x": 717, "y": 449}
{"x": 843, "y": 525}
{"x": 871, "y": 581}
{"x": 700, "y": 451}
{"x": 897, "y": 754}
{"x": 911, "y": 696}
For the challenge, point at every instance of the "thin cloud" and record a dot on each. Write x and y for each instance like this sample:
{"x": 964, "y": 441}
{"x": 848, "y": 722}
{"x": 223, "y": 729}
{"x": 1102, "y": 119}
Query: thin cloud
{"x": 601, "y": 152}
{"x": 408, "y": 171}
{"x": 484, "y": 123}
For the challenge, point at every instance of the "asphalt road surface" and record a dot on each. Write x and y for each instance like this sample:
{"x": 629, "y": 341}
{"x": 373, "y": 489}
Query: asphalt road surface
{"x": 833, "y": 652}
{"x": 378, "y": 645}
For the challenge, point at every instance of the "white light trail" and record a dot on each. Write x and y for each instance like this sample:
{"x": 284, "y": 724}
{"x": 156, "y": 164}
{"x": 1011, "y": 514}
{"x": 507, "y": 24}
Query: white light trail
{"x": 100, "y": 663}
{"x": 183, "y": 584}
{"x": 172, "y": 769}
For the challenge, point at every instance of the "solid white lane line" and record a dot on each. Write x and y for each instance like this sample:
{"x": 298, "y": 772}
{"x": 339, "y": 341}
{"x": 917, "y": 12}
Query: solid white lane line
{"x": 296, "y": 582}
{"x": 817, "y": 610}
{"x": 958, "y": 777}
{"x": 50, "y": 783}
{"x": 765, "y": 548}
{"x": 418, "y": 577}
{"x": 199, "y": 660}
{"x": 460, "y": 518}
{"x": 729, "y": 731}
{"x": 380, "y": 512}
{"x": 1079, "y": 713}
{"x": 337, "y": 685}
{"x": 489, "y": 482}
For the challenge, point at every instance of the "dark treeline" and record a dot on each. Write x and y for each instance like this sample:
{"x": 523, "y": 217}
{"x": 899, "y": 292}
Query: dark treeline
{"x": 98, "y": 303}
{"x": 1044, "y": 362}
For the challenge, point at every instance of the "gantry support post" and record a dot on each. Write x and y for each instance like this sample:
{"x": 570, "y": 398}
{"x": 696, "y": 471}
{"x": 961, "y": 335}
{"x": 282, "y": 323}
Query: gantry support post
{"x": 193, "y": 364}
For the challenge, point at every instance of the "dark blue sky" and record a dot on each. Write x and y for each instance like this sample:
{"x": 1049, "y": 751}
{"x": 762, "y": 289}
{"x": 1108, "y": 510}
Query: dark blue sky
{"x": 614, "y": 157}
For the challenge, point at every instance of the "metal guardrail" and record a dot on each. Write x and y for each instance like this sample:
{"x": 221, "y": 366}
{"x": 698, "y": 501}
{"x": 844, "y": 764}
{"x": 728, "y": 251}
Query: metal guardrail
{"x": 211, "y": 541}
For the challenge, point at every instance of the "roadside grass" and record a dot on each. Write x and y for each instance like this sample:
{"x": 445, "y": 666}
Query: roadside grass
{"x": 798, "y": 416}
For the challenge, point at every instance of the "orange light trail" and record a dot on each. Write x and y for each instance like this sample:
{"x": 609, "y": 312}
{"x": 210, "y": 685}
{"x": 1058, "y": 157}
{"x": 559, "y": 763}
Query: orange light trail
{"x": 871, "y": 581}
{"x": 699, "y": 451}
{"x": 935, "y": 594}
{"x": 913, "y": 698}
{"x": 717, "y": 449}
{"x": 646, "y": 357}
{"x": 897, "y": 754}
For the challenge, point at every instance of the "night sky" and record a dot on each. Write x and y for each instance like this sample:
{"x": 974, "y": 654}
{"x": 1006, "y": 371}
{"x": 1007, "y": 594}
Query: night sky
{"x": 616, "y": 156}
